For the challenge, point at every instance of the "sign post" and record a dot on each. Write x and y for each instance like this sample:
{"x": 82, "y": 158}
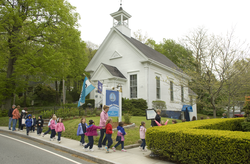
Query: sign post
{"x": 113, "y": 99}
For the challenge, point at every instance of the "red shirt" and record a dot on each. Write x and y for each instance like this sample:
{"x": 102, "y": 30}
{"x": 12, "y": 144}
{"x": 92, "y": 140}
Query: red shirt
{"x": 108, "y": 128}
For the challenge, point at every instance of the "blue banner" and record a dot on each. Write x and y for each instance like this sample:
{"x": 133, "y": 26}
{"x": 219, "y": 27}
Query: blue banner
{"x": 87, "y": 87}
{"x": 99, "y": 87}
{"x": 112, "y": 100}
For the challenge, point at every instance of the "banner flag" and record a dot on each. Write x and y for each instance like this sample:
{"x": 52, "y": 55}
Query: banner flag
{"x": 87, "y": 87}
{"x": 99, "y": 87}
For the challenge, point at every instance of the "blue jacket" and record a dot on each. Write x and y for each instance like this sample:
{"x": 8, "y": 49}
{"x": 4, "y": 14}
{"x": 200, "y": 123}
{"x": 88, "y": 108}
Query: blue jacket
{"x": 28, "y": 121}
{"x": 80, "y": 129}
{"x": 121, "y": 129}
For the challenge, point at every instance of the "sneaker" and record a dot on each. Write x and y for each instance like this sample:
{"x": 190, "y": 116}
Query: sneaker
{"x": 123, "y": 150}
{"x": 50, "y": 139}
{"x": 86, "y": 149}
{"x": 144, "y": 150}
{"x": 113, "y": 148}
{"x": 107, "y": 151}
{"x": 140, "y": 147}
{"x": 106, "y": 147}
{"x": 9, "y": 128}
{"x": 91, "y": 149}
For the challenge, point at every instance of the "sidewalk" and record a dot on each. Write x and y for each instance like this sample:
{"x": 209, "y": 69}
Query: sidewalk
{"x": 133, "y": 155}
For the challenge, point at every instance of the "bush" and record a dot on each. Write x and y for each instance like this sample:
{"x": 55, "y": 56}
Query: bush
{"x": 204, "y": 141}
{"x": 91, "y": 101}
{"x": 127, "y": 118}
{"x": 4, "y": 113}
{"x": 134, "y": 106}
{"x": 245, "y": 126}
{"x": 159, "y": 104}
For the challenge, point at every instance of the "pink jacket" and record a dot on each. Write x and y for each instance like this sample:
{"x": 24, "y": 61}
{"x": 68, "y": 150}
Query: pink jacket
{"x": 120, "y": 134}
{"x": 142, "y": 132}
{"x": 160, "y": 124}
{"x": 91, "y": 130}
{"x": 52, "y": 124}
{"x": 59, "y": 127}
{"x": 103, "y": 117}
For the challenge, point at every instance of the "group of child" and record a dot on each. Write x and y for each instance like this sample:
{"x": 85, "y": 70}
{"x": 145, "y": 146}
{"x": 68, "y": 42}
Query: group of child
{"x": 91, "y": 131}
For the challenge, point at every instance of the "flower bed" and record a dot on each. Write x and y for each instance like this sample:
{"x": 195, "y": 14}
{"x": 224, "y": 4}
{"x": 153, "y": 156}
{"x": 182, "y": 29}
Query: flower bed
{"x": 205, "y": 141}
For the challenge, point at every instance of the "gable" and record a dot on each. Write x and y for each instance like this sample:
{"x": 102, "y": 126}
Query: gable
{"x": 116, "y": 55}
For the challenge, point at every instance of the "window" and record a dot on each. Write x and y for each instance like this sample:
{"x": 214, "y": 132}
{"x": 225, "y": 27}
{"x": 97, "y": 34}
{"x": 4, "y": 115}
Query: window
{"x": 182, "y": 94}
{"x": 171, "y": 91}
{"x": 158, "y": 88}
{"x": 191, "y": 100}
{"x": 133, "y": 86}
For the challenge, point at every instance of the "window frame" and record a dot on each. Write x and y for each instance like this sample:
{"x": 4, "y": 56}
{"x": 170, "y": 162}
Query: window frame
{"x": 158, "y": 81}
{"x": 136, "y": 87}
{"x": 171, "y": 91}
{"x": 182, "y": 94}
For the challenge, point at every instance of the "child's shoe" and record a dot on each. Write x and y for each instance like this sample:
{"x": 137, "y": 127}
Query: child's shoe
{"x": 107, "y": 150}
{"x": 91, "y": 149}
{"x": 123, "y": 150}
{"x": 86, "y": 149}
{"x": 113, "y": 149}
{"x": 59, "y": 141}
{"x": 140, "y": 147}
{"x": 144, "y": 150}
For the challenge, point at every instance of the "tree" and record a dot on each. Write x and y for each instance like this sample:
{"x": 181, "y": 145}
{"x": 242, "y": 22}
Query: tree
{"x": 39, "y": 40}
{"x": 214, "y": 58}
{"x": 142, "y": 38}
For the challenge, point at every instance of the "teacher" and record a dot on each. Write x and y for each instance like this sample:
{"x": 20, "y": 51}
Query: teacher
{"x": 103, "y": 117}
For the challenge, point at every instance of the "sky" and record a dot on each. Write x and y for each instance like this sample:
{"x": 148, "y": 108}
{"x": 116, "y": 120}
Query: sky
{"x": 169, "y": 19}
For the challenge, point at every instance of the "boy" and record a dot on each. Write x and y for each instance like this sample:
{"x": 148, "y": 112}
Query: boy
{"x": 39, "y": 123}
{"x": 28, "y": 123}
{"x": 33, "y": 123}
{"x": 157, "y": 118}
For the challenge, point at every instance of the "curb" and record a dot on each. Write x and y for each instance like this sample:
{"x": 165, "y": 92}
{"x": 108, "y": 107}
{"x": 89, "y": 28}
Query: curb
{"x": 64, "y": 148}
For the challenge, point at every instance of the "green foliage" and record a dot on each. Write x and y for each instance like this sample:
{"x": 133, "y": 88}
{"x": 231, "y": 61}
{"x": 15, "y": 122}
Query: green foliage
{"x": 204, "y": 141}
{"x": 209, "y": 112}
{"x": 44, "y": 94}
{"x": 136, "y": 107}
{"x": 245, "y": 126}
{"x": 159, "y": 104}
{"x": 127, "y": 118}
{"x": 87, "y": 101}
{"x": 4, "y": 113}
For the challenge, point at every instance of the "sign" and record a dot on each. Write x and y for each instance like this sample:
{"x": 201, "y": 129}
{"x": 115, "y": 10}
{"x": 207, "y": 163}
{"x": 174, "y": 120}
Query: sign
{"x": 150, "y": 114}
{"x": 100, "y": 87}
{"x": 112, "y": 100}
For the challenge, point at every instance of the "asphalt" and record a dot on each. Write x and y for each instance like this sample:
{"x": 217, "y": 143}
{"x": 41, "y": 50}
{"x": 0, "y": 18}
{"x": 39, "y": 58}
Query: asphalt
{"x": 133, "y": 155}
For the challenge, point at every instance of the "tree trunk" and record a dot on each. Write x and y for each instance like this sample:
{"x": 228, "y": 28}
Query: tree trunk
{"x": 214, "y": 108}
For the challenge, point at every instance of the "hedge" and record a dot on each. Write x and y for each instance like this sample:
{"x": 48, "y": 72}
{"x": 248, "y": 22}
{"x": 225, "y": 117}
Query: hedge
{"x": 204, "y": 141}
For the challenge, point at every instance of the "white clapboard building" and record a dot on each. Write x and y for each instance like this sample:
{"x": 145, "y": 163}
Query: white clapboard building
{"x": 140, "y": 70}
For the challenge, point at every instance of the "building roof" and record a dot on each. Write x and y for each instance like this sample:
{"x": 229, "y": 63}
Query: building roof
{"x": 114, "y": 71}
{"x": 152, "y": 54}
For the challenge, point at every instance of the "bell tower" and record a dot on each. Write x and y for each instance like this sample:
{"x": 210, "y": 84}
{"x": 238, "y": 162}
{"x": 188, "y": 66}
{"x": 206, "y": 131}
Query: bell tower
{"x": 121, "y": 21}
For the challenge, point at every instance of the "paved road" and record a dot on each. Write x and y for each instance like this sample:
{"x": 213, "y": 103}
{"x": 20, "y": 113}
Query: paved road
{"x": 15, "y": 149}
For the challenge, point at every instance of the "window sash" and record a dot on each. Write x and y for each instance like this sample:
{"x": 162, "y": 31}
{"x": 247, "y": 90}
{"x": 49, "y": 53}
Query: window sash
{"x": 182, "y": 94}
{"x": 158, "y": 88}
{"x": 171, "y": 91}
{"x": 133, "y": 86}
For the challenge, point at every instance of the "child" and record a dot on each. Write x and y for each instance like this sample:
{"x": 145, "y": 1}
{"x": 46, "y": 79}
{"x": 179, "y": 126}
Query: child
{"x": 157, "y": 117}
{"x": 121, "y": 132}
{"x": 48, "y": 126}
{"x": 39, "y": 123}
{"x": 142, "y": 135}
{"x": 162, "y": 123}
{"x": 91, "y": 131}
{"x": 59, "y": 128}
{"x": 82, "y": 126}
{"x": 33, "y": 123}
{"x": 23, "y": 116}
{"x": 52, "y": 127}
{"x": 174, "y": 122}
{"x": 28, "y": 123}
{"x": 109, "y": 132}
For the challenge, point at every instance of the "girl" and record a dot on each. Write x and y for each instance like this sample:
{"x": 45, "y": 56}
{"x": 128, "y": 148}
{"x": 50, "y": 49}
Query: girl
{"x": 162, "y": 123}
{"x": 82, "y": 126}
{"x": 59, "y": 128}
{"x": 91, "y": 131}
{"x": 109, "y": 132}
{"x": 23, "y": 116}
{"x": 48, "y": 126}
{"x": 142, "y": 135}
{"x": 52, "y": 127}
{"x": 121, "y": 132}
{"x": 103, "y": 118}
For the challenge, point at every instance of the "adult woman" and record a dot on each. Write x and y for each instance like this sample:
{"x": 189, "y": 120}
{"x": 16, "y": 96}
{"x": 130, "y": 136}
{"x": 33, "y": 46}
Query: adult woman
{"x": 15, "y": 117}
{"x": 103, "y": 118}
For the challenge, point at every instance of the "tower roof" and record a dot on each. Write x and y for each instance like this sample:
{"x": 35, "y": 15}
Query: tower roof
{"x": 116, "y": 15}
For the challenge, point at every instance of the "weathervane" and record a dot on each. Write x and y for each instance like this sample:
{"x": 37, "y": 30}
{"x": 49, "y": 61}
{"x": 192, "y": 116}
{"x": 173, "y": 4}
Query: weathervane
{"x": 121, "y": 3}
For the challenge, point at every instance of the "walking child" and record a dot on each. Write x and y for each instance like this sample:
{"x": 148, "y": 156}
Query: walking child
{"x": 142, "y": 135}
{"x": 28, "y": 124}
{"x": 59, "y": 128}
{"x": 23, "y": 117}
{"x": 120, "y": 137}
{"x": 48, "y": 126}
{"x": 52, "y": 127}
{"x": 91, "y": 131}
{"x": 109, "y": 132}
{"x": 39, "y": 123}
{"x": 81, "y": 130}
{"x": 33, "y": 123}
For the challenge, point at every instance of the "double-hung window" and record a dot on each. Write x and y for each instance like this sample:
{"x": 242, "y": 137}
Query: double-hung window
{"x": 133, "y": 86}
{"x": 171, "y": 91}
{"x": 158, "y": 88}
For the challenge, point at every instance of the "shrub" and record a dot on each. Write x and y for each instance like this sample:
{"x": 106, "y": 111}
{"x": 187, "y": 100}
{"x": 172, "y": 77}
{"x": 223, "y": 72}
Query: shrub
{"x": 4, "y": 113}
{"x": 204, "y": 141}
{"x": 127, "y": 118}
{"x": 134, "y": 106}
{"x": 159, "y": 104}
{"x": 91, "y": 101}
